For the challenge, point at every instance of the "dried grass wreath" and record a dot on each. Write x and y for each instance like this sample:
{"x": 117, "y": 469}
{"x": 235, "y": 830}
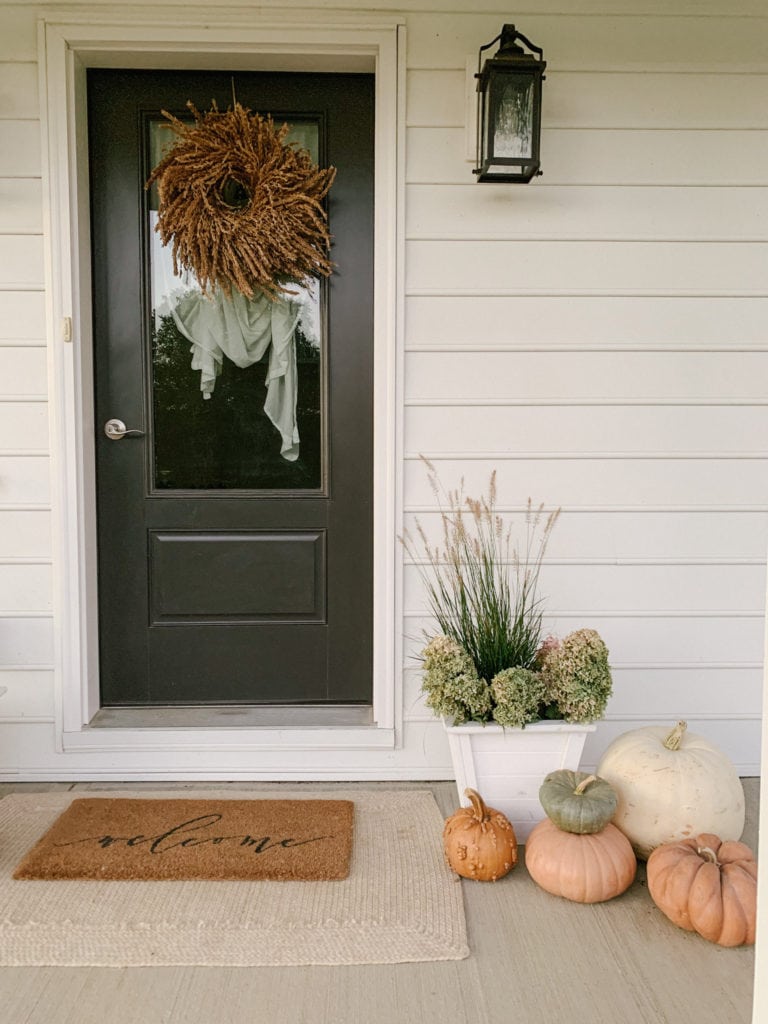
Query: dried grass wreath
{"x": 242, "y": 208}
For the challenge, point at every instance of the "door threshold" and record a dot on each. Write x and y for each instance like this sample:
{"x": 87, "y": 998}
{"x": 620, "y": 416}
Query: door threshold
{"x": 235, "y": 716}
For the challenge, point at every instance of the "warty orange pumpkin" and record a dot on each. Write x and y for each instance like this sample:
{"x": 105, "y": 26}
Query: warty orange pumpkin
{"x": 479, "y": 841}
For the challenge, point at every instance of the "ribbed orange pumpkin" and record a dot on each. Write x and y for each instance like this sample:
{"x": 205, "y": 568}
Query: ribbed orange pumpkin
{"x": 479, "y": 841}
{"x": 584, "y": 868}
{"x": 707, "y": 886}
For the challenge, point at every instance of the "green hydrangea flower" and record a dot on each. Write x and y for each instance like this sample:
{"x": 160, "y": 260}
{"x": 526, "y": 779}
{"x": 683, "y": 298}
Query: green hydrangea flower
{"x": 577, "y": 676}
{"x": 518, "y": 693}
{"x": 451, "y": 683}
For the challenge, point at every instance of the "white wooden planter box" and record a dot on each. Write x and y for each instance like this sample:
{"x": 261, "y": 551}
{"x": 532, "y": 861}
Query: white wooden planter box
{"x": 507, "y": 766}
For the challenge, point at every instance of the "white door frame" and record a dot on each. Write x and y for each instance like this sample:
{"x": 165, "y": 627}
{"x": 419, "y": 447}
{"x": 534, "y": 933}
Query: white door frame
{"x": 67, "y": 48}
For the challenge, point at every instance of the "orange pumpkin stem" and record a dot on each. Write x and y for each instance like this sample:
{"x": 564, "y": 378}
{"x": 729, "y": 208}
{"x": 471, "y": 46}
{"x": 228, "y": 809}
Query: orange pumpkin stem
{"x": 579, "y": 791}
{"x": 478, "y": 806}
{"x": 672, "y": 742}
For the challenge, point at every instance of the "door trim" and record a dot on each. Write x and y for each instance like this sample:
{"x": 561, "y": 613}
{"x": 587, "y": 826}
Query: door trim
{"x": 67, "y": 48}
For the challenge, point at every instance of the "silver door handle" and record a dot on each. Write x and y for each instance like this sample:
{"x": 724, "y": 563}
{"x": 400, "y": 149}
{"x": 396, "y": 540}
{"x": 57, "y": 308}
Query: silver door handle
{"x": 116, "y": 430}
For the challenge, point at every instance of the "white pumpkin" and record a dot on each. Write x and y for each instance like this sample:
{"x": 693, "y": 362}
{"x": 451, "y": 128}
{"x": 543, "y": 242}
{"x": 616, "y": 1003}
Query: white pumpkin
{"x": 671, "y": 786}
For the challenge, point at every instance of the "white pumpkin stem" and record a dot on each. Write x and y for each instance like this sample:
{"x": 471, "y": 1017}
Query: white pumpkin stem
{"x": 579, "y": 791}
{"x": 672, "y": 742}
{"x": 708, "y": 854}
{"x": 481, "y": 811}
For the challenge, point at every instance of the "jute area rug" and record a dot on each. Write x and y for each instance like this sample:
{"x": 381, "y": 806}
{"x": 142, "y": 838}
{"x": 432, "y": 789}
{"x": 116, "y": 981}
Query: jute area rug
{"x": 399, "y": 903}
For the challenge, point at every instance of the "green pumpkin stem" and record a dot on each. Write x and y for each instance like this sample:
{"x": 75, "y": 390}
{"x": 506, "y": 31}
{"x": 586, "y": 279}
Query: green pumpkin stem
{"x": 579, "y": 791}
{"x": 672, "y": 742}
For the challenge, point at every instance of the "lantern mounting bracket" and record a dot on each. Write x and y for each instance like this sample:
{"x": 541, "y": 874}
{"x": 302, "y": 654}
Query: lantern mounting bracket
{"x": 507, "y": 40}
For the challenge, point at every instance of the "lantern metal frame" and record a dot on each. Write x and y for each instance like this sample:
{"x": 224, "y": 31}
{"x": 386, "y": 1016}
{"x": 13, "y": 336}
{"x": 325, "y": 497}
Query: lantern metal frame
{"x": 510, "y": 60}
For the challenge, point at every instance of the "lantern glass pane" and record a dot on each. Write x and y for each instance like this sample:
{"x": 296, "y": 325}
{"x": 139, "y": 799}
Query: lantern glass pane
{"x": 485, "y": 148}
{"x": 513, "y": 121}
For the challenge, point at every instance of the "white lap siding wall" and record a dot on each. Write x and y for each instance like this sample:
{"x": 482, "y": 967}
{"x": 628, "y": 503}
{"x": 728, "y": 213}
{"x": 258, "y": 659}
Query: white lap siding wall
{"x": 26, "y": 628}
{"x": 598, "y": 337}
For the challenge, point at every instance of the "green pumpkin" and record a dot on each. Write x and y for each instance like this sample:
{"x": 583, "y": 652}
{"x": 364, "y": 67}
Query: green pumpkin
{"x": 577, "y": 802}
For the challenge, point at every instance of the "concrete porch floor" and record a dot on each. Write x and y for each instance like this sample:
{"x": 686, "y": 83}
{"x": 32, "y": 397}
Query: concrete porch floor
{"x": 618, "y": 961}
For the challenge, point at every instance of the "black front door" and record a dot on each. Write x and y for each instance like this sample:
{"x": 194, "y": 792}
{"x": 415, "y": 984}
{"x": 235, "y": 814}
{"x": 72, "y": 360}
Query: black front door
{"x": 235, "y": 526}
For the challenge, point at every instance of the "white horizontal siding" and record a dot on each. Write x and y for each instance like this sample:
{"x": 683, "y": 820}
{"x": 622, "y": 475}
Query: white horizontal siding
{"x": 20, "y": 148}
{"x": 436, "y": 98}
{"x": 26, "y": 628}
{"x": 575, "y": 43}
{"x": 664, "y": 376}
{"x": 721, "y": 693}
{"x": 24, "y": 480}
{"x": 23, "y": 423}
{"x": 638, "y": 100}
{"x": 21, "y": 262}
{"x": 25, "y": 534}
{"x": 499, "y": 267}
{"x": 586, "y": 427}
{"x": 598, "y": 338}
{"x": 25, "y": 586}
{"x": 583, "y": 322}
{"x": 704, "y": 537}
{"x": 22, "y": 315}
{"x": 20, "y": 206}
{"x": 325, "y": 8}
{"x": 574, "y": 213}
{"x": 28, "y": 696}
{"x": 597, "y": 481}
{"x": 22, "y": 370}
{"x": 618, "y": 158}
{"x": 18, "y": 90}
{"x": 596, "y": 588}
{"x": 26, "y": 641}
{"x": 18, "y": 33}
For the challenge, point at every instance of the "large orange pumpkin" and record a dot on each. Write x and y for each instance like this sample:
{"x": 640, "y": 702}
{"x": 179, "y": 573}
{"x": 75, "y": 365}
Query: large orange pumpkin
{"x": 479, "y": 841}
{"x": 585, "y": 868}
{"x": 708, "y": 886}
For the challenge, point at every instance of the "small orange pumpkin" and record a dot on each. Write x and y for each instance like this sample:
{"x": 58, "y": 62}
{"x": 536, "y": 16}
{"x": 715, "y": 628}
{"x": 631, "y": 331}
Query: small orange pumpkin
{"x": 479, "y": 841}
{"x": 587, "y": 868}
{"x": 707, "y": 886}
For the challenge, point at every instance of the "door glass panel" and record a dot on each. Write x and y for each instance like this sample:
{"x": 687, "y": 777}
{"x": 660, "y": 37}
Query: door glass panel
{"x": 237, "y": 383}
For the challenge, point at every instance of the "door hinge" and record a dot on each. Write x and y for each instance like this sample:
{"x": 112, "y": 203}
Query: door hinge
{"x": 66, "y": 328}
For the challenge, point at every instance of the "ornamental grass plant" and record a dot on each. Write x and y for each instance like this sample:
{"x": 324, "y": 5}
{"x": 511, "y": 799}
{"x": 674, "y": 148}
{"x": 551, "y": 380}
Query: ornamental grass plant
{"x": 489, "y": 659}
{"x": 481, "y": 589}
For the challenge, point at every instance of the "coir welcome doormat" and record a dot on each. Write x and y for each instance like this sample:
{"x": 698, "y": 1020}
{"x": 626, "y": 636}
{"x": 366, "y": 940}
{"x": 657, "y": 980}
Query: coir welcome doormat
{"x": 400, "y": 902}
{"x": 154, "y": 840}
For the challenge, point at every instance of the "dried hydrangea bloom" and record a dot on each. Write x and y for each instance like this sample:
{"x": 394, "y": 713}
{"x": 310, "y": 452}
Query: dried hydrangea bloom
{"x": 518, "y": 694}
{"x": 451, "y": 683}
{"x": 548, "y": 644}
{"x": 577, "y": 676}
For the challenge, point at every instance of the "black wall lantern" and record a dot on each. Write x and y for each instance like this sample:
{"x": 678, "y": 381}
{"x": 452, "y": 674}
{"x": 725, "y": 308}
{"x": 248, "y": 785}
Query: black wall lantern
{"x": 509, "y": 109}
